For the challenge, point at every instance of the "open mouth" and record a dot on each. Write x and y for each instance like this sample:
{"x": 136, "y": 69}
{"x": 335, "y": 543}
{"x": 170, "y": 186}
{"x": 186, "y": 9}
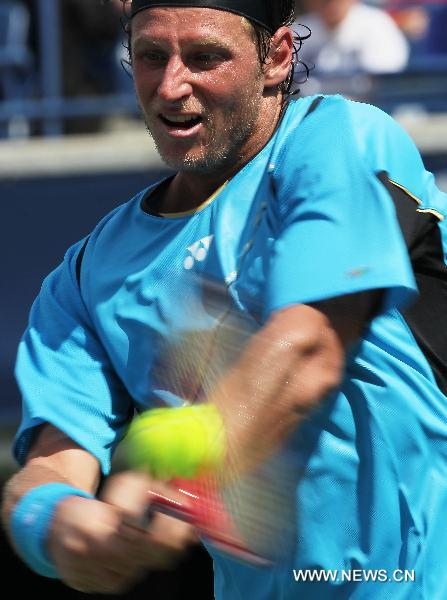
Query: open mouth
{"x": 184, "y": 122}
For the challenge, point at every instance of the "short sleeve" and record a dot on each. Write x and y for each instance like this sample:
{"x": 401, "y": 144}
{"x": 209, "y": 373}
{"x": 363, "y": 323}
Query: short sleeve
{"x": 336, "y": 227}
{"x": 64, "y": 373}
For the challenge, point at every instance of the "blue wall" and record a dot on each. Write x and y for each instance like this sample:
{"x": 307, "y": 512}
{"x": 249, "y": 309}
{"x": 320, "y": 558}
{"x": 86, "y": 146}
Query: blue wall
{"x": 40, "y": 219}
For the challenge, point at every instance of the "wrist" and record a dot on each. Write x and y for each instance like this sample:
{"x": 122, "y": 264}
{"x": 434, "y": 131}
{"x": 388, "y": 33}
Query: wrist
{"x": 31, "y": 522}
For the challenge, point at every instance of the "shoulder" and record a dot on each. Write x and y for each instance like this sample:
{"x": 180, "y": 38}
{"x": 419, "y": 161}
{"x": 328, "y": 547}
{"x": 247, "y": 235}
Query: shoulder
{"x": 334, "y": 123}
{"x": 119, "y": 216}
{"x": 311, "y": 127}
{"x": 310, "y": 112}
{"x": 316, "y": 112}
{"x": 317, "y": 156}
{"x": 118, "y": 219}
{"x": 386, "y": 148}
{"x": 344, "y": 135}
{"x": 324, "y": 106}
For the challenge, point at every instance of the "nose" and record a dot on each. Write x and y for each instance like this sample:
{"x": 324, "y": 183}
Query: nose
{"x": 175, "y": 84}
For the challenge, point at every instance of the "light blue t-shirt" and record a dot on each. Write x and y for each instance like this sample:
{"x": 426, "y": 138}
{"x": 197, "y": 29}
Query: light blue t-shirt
{"x": 164, "y": 305}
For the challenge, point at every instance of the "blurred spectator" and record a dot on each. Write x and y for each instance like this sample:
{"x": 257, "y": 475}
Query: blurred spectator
{"x": 16, "y": 62}
{"x": 349, "y": 36}
{"x": 89, "y": 33}
{"x": 437, "y": 34}
{"x": 15, "y": 54}
{"x": 425, "y": 28}
{"x": 414, "y": 21}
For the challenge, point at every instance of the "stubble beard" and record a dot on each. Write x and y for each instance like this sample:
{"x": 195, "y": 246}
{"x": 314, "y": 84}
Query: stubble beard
{"x": 223, "y": 148}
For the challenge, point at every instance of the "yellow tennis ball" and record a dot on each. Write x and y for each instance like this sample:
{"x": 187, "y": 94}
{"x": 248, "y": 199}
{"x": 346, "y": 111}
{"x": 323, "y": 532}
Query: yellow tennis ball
{"x": 182, "y": 442}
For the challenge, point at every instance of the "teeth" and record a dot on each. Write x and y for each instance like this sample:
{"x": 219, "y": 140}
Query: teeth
{"x": 181, "y": 119}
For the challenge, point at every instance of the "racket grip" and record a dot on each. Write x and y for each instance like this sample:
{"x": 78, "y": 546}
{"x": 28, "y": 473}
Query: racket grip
{"x": 205, "y": 510}
{"x": 167, "y": 506}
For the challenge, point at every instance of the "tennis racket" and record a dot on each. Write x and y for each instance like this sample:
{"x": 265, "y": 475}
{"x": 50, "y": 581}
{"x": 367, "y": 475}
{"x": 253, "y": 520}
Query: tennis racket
{"x": 249, "y": 515}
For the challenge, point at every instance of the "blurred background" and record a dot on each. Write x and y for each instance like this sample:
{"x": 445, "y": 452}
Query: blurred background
{"x": 72, "y": 147}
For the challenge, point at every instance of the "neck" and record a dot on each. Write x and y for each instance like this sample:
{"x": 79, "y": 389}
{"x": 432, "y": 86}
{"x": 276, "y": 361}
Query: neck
{"x": 188, "y": 190}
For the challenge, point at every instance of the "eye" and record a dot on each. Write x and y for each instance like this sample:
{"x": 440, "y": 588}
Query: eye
{"x": 208, "y": 59}
{"x": 152, "y": 57}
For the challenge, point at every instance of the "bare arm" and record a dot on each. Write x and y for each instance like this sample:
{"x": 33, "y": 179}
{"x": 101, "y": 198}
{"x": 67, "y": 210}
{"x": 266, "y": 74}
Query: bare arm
{"x": 53, "y": 458}
{"x": 97, "y": 545}
{"x": 286, "y": 370}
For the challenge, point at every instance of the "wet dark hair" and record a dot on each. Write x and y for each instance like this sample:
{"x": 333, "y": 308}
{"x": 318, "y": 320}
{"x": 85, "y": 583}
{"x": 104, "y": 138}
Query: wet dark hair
{"x": 282, "y": 14}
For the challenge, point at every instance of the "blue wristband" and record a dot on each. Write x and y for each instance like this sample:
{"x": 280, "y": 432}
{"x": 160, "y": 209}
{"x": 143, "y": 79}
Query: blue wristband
{"x": 31, "y": 521}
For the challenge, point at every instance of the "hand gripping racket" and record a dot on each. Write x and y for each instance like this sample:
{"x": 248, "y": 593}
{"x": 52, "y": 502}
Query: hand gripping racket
{"x": 249, "y": 516}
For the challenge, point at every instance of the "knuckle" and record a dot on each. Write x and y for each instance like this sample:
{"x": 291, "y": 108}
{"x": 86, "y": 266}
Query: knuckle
{"x": 75, "y": 547}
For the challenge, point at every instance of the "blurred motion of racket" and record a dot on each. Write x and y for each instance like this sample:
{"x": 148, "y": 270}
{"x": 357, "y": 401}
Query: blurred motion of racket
{"x": 249, "y": 514}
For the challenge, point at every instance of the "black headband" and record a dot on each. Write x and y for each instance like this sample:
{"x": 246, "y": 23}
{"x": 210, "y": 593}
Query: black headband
{"x": 255, "y": 10}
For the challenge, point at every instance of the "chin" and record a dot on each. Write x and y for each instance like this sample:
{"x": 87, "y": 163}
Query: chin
{"x": 190, "y": 163}
{"x": 182, "y": 163}
{"x": 200, "y": 168}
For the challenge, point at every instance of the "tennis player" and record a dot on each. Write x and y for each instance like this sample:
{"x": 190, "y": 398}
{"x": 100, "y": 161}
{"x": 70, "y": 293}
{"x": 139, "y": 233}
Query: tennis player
{"x": 317, "y": 223}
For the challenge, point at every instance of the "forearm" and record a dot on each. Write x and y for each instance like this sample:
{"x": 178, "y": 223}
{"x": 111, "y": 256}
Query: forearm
{"x": 31, "y": 476}
{"x": 54, "y": 458}
{"x": 284, "y": 373}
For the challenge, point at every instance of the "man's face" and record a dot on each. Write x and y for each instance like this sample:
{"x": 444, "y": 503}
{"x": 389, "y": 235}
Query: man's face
{"x": 199, "y": 83}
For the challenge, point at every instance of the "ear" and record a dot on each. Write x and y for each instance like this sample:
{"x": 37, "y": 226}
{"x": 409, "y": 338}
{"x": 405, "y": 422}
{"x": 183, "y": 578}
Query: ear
{"x": 280, "y": 58}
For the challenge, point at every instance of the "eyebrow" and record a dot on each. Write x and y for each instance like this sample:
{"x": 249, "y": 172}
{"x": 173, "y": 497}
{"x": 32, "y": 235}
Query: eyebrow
{"x": 211, "y": 42}
{"x": 144, "y": 42}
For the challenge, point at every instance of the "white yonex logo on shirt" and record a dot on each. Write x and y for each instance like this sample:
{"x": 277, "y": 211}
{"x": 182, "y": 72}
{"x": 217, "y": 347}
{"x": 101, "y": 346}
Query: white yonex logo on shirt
{"x": 198, "y": 251}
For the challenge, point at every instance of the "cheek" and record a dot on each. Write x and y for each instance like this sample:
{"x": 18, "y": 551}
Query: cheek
{"x": 145, "y": 82}
{"x": 232, "y": 89}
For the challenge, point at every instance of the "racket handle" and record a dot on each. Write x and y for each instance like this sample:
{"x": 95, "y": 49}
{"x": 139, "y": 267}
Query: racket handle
{"x": 206, "y": 512}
